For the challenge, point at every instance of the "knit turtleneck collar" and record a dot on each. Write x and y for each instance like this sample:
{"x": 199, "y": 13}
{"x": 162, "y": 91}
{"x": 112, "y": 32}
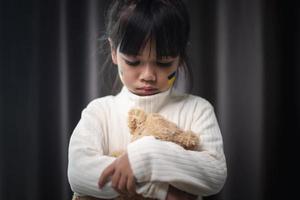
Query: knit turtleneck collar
{"x": 152, "y": 103}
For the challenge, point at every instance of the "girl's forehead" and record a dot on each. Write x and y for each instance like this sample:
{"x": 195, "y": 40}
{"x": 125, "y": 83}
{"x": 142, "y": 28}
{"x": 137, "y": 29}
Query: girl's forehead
{"x": 147, "y": 50}
{"x": 146, "y": 56}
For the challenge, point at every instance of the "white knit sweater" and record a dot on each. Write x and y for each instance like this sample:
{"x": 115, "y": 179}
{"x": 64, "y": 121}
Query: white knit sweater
{"x": 103, "y": 129}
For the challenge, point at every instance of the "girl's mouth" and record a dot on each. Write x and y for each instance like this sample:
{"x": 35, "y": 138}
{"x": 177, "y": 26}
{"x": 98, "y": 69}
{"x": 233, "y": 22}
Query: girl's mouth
{"x": 144, "y": 91}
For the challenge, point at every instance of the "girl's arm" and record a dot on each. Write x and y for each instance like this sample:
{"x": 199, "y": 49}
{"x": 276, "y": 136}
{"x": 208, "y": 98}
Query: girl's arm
{"x": 123, "y": 181}
{"x": 200, "y": 172}
{"x": 87, "y": 159}
{"x": 86, "y": 156}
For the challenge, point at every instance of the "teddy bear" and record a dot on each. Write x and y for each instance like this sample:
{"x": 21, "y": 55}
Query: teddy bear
{"x": 143, "y": 124}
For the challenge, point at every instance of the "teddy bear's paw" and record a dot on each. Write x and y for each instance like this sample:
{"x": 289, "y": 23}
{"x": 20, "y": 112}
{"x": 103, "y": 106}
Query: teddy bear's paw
{"x": 135, "y": 118}
{"x": 188, "y": 140}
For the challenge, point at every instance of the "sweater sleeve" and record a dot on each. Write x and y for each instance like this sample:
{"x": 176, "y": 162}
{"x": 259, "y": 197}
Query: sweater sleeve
{"x": 201, "y": 172}
{"x": 86, "y": 156}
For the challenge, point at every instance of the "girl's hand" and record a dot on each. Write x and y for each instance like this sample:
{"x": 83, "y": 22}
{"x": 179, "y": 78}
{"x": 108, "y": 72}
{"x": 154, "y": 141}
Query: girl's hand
{"x": 122, "y": 178}
{"x": 176, "y": 194}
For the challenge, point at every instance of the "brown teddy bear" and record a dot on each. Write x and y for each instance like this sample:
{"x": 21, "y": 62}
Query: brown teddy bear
{"x": 143, "y": 124}
{"x": 153, "y": 124}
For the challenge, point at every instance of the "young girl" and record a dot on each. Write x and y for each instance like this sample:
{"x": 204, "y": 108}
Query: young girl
{"x": 148, "y": 40}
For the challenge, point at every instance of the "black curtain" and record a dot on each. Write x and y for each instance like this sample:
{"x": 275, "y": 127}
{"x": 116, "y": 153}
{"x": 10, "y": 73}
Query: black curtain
{"x": 245, "y": 60}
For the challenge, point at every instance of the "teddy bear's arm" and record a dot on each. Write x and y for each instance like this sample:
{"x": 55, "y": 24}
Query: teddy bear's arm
{"x": 165, "y": 130}
{"x": 187, "y": 140}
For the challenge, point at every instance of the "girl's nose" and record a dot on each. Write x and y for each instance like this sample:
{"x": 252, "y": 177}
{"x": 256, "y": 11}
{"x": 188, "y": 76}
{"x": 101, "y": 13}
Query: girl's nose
{"x": 148, "y": 74}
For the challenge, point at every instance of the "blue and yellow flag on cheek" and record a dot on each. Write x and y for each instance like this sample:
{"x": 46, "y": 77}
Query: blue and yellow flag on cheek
{"x": 171, "y": 78}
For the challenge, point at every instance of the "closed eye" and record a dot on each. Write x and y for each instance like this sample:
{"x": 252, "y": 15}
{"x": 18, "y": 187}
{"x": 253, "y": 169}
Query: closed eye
{"x": 135, "y": 63}
{"x": 164, "y": 64}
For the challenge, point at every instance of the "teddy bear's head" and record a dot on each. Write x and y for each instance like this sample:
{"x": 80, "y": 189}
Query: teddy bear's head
{"x": 136, "y": 119}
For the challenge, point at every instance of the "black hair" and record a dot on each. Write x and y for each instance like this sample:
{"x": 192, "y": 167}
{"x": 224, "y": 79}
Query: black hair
{"x": 130, "y": 24}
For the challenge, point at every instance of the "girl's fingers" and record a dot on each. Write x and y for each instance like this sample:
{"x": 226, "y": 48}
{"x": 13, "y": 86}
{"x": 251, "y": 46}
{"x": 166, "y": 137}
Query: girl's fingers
{"x": 122, "y": 184}
{"x": 131, "y": 184}
{"x": 105, "y": 175}
{"x": 115, "y": 180}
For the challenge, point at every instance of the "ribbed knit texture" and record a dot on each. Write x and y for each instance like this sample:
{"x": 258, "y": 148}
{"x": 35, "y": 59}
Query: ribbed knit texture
{"x": 103, "y": 129}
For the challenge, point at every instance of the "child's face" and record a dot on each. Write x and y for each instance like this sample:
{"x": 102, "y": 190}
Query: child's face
{"x": 144, "y": 74}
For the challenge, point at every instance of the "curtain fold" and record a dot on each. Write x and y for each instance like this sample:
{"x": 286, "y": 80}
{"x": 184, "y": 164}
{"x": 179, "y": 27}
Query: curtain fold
{"x": 245, "y": 61}
{"x": 240, "y": 88}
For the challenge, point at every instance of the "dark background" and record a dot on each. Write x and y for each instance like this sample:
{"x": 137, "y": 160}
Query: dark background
{"x": 245, "y": 57}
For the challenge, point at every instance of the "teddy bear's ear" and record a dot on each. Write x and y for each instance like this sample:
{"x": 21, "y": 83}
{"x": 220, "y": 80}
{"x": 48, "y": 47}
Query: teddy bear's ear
{"x": 135, "y": 118}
